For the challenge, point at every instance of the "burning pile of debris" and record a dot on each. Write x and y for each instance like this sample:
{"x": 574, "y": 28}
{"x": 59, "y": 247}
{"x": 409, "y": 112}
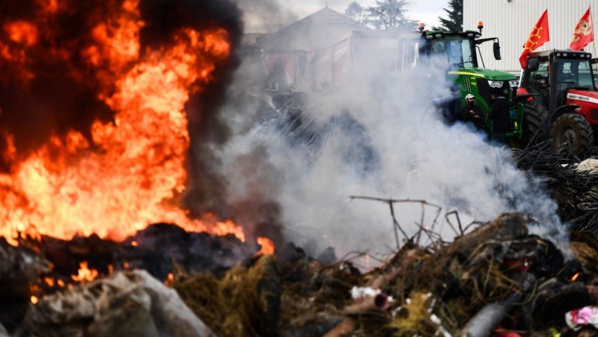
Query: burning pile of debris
{"x": 104, "y": 105}
{"x": 496, "y": 279}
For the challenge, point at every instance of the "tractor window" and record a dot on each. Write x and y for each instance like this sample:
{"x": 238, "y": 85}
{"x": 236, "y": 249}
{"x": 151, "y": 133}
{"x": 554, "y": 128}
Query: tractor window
{"x": 538, "y": 81}
{"x": 540, "y": 76}
{"x": 455, "y": 59}
{"x": 438, "y": 52}
{"x": 565, "y": 73}
{"x": 584, "y": 73}
{"x": 467, "y": 53}
{"x": 453, "y": 53}
{"x": 407, "y": 55}
{"x": 574, "y": 73}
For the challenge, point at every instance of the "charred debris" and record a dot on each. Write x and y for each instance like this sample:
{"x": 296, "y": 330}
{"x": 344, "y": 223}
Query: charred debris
{"x": 494, "y": 279}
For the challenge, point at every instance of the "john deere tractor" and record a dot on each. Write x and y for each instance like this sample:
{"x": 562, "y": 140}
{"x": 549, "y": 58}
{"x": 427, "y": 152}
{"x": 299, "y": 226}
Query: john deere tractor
{"x": 458, "y": 50}
{"x": 560, "y": 89}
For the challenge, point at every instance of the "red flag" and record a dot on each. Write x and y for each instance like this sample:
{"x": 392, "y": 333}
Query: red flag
{"x": 584, "y": 32}
{"x": 537, "y": 37}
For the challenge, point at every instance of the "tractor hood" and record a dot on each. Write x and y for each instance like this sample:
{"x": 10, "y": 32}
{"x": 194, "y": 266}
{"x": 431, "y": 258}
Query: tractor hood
{"x": 578, "y": 96}
{"x": 490, "y": 74}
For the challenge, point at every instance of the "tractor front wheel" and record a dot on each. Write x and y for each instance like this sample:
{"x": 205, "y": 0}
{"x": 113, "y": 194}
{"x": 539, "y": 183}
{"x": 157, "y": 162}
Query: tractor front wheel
{"x": 572, "y": 132}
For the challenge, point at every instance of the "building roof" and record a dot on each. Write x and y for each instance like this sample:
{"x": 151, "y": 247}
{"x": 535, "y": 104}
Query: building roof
{"x": 325, "y": 16}
{"x": 324, "y": 24}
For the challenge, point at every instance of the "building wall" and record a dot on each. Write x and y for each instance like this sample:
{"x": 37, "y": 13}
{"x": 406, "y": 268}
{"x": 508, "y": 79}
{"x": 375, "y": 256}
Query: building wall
{"x": 512, "y": 21}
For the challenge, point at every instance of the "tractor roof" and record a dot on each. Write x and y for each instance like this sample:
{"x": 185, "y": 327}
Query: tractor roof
{"x": 444, "y": 33}
{"x": 567, "y": 53}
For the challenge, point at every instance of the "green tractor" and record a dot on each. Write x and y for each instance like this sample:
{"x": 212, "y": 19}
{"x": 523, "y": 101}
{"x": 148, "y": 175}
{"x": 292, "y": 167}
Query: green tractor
{"x": 457, "y": 52}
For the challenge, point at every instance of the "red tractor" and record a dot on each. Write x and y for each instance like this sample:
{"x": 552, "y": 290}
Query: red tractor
{"x": 563, "y": 99}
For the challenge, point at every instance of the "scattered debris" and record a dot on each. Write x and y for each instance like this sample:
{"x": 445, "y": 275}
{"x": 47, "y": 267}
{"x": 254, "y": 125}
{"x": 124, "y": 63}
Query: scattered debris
{"x": 571, "y": 183}
{"x": 493, "y": 279}
{"x": 132, "y": 304}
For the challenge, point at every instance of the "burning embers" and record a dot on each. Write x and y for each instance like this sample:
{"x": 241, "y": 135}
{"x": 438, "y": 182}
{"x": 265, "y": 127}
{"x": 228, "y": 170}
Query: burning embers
{"x": 94, "y": 127}
{"x": 160, "y": 249}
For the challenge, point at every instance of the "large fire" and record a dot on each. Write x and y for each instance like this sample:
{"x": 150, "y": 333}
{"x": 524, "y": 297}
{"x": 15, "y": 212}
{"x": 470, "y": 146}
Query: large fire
{"x": 130, "y": 173}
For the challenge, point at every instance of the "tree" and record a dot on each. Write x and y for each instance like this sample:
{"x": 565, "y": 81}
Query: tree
{"x": 389, "y": 14}
{"x": 357, "y": 12}
{"x": 454, "y": 22}
{"x": 354, "y": 9}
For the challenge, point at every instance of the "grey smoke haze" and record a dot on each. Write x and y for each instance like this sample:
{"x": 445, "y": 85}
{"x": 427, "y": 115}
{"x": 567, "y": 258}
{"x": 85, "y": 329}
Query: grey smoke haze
{"x": 419, "y": 158}
{"x": 305, "y": 191}
{"x": 263, "y": 16}
{"x": 266, "y": 16}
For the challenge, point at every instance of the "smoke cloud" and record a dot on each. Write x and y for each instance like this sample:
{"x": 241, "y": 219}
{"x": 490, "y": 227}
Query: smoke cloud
{"x": 286, "y": 173}
{"x": 378, "y": 136}
{"x": 264, "y": 16}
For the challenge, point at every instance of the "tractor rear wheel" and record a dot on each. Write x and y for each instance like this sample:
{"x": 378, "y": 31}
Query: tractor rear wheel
{"x": 533, "y": 123}
{"x": 573, "y": 132}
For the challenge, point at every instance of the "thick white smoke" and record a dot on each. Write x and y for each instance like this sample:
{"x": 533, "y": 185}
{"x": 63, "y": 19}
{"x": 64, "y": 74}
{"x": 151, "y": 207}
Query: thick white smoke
{"x": 397, "y": 147}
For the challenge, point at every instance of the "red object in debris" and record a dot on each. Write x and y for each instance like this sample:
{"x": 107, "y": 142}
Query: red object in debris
{"x": 501, "y": 332}
{"x": 583, "y": 316}
{"x": 517, "y": 264}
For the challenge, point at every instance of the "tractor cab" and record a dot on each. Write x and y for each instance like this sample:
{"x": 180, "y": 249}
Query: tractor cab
{"x": 456, "y": 50}
{"x": 552, "y": 75}
{"x": 564, "y": 93}
{"x": 451, "y": 50}
{"x": 459, "y": 53}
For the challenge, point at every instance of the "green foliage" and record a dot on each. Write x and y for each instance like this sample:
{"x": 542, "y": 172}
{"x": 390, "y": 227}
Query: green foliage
{"x": 354, "y": 9}
{"x": 454, "y": 22}
{"x": 385, "y": 14}
{"x": 388, "y": 14}
{"x": 357, "y": 12}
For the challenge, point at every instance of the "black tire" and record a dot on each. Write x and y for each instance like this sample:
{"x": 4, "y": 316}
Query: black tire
{"x": 534, "y": 123}
{"x": 573, "y": 132}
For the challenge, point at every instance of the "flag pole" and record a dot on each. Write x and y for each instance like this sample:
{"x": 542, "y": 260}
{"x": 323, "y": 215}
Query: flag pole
{"x": 593, "y": 42}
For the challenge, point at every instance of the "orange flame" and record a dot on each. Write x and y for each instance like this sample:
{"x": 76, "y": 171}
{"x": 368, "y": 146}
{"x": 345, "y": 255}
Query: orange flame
{"x": 50, "y": 6}
{"x": 22, "y": 32}
{"x": 21, "y": 35}
{"x": 84, "y": 273}
{"x": 49, "y": 281}
{"x": 169, "y": 279}
{"x": 267, "y": 246}
{"x": 136, "y": 171}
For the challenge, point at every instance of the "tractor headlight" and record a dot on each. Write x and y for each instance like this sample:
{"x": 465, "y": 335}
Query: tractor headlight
{"x": 513, "y": 83}
{"x": 495, "y": 84}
